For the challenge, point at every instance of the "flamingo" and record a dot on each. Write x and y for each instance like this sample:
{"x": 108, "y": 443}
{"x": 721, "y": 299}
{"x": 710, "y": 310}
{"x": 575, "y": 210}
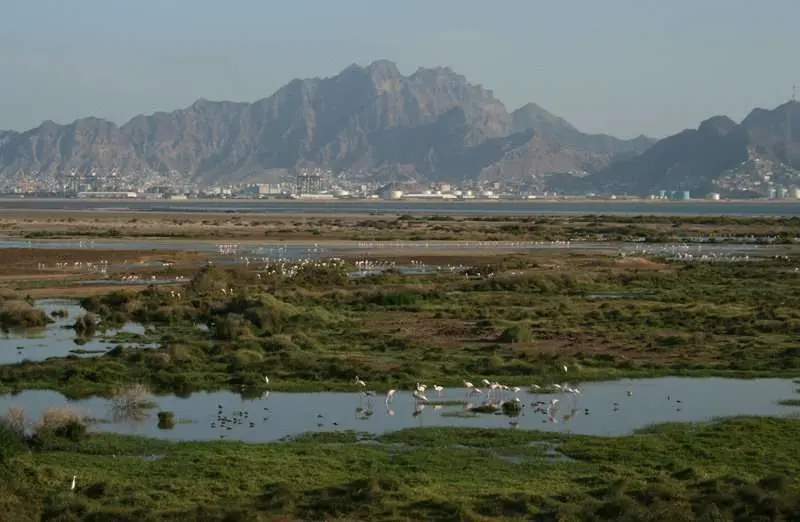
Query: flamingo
{"x": 390, "y": 395}
{"x": 419, "y": 396}
{"x": 438, "y": 389}
{"x": 469, "y": 386}
{"x": 359, "y": 382}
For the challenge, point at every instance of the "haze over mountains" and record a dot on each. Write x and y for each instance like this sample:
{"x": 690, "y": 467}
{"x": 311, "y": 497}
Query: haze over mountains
{"x": 432, "y": 125}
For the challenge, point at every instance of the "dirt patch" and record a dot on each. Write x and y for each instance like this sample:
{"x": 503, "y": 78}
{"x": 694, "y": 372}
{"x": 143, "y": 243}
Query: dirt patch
{"x": 638, "y": 262}
{"x": 33, "y": 261}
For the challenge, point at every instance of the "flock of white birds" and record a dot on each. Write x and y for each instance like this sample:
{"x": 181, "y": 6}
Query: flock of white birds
{"x": 492, "y": 396}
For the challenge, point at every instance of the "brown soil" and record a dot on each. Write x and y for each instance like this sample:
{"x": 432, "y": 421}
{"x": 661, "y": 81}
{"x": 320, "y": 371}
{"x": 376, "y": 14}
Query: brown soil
{"x": 22, "y": 261}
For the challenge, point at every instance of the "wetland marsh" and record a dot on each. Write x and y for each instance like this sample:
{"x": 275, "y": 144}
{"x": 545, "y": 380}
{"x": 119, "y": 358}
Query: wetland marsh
{"x": 677, "y": 311}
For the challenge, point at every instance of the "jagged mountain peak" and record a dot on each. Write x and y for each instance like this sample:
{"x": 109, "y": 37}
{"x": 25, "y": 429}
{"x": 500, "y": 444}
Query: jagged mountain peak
{"x": 431, "y": 124}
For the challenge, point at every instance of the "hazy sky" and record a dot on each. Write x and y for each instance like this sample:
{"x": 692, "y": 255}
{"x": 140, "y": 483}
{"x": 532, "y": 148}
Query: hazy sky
{"x": 620, "y": 66}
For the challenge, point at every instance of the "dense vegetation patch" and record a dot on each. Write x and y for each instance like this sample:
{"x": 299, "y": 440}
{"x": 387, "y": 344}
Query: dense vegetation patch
{"x": 17, "y": 313}
{"x": 519, "y": 318}
{"x": 741, "y": 469}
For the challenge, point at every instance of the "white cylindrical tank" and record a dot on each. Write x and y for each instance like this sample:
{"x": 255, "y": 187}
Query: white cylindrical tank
{"x": 396, "y": 194}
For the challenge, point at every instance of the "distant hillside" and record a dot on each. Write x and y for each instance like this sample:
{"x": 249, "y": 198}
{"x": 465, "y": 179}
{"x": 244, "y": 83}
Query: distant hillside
{"x": 559, "y": 130}
{"x": 432, "y": 124}
{"x": 720, "y": 155}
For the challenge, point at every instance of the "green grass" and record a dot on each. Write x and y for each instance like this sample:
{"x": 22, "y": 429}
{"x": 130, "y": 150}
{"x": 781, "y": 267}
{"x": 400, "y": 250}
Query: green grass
{"x": 318, "y": 330}
{"x": 740, "y": 469}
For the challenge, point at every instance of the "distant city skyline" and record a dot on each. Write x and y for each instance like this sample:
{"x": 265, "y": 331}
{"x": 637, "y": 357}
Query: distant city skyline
{"x": 622, "y": 67}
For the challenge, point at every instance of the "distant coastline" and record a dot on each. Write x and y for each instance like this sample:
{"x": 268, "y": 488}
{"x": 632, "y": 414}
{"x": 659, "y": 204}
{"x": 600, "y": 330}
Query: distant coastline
{"x": 382, "y": 201}
{"x": 341, "y": 207}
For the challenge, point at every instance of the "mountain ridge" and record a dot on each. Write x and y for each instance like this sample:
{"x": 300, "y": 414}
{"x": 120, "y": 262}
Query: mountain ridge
{"x": 720, "y": 155}
{"x": 430, "y": 125}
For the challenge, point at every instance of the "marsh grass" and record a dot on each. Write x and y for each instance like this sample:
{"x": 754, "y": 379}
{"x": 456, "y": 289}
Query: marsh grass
{"x": 19, "y": 314}
{"x": 738, "y": 468}
{"x": 131, "y": 402}
{"x": 315, "y": 330}
{"x": 407, "y": 227}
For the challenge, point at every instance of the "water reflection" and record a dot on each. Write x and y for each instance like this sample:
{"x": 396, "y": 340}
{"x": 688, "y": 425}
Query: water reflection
{"x": 601, "y": 409}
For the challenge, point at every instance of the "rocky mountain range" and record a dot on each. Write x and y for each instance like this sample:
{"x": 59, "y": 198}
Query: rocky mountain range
{"x": 741, "y": 159}
{"x": 430, "y": 125}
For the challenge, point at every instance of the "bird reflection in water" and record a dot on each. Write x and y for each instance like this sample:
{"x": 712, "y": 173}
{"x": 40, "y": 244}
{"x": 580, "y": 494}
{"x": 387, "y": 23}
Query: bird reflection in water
{"x": 363, "y": 413}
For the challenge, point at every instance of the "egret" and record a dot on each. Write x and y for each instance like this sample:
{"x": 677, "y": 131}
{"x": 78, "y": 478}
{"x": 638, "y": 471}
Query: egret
{"x": 266, "y": 380}
{"x": 74, "y": 480}
{"x": 565, "y": 368}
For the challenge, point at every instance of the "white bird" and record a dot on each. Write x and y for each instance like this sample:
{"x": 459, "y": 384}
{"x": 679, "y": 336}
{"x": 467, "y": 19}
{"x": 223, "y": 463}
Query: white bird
{"x": 390, "y": 395}
{"x": 565, "y": 368}
{"x": 359, "y": 382}
{"x": 515, "y": 389}
{"x": 266, "y": 380}
{"x": 418, "y": 395}
{"x": 438, "y": 389}
{"x": 485, "y": 382}
{"x": 74, "y": 479}
{"x": 468, "y": 384}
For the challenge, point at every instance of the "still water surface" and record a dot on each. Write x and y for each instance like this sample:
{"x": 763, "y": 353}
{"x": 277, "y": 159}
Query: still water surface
{"x": 279, "y": 415}
{"x": 695, "y": 207}
{"x": 57, "y": 339}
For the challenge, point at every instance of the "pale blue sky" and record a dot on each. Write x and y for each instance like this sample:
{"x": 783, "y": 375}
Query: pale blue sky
{"x": 620, "y": 66}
